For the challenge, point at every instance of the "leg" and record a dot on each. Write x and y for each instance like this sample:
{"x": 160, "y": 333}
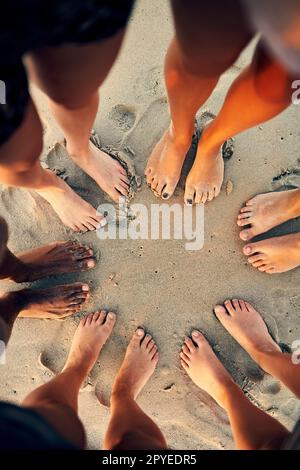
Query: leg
{"x": 206, "y": 44}
{"x": 55, "y": 258}
{"x": 252, "y": 428}
{"x": 129, "y": 427}
{"x": 57, "y": 400}
{"x": 259, "y": 103}
{"x": 247, "y": 327}
{"x": 19, "y": 166}
{"x": 58, "y": 72}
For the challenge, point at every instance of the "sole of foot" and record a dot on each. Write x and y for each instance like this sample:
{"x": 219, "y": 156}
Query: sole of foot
{"x": 91, "y": 335}
{"x": 204, "y": 368}
{"x": 275, "y": 255}
{"x": 266, "y": 211}
{"x": 139, "y": 364}
{"x": 54, "y": 303}
{"x": 55, "y": 258}
{"x": 165, "y": 164}
{"x": 73, "y": 211}
{"x": 247, "y": 327}
{"x": 105, "y": 170}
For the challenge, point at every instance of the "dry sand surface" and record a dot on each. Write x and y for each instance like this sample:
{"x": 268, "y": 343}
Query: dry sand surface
{"x": 159, "y": 284}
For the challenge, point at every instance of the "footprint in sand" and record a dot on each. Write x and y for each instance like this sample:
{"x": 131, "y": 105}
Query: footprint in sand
{"x": 123, "y": 116}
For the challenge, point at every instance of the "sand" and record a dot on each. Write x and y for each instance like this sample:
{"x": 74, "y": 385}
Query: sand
{"x": 159, "y": 284}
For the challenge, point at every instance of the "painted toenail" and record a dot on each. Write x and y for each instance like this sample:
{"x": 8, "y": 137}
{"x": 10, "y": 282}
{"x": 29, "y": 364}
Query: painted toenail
{"x": 85, "y": 288}
{"x": 165, "y": 195}
{"x": 91, "y": 264}
{"x": 248, "y": 249}
{"x": 195, "y": 334}
{"x": 189, "y": 202}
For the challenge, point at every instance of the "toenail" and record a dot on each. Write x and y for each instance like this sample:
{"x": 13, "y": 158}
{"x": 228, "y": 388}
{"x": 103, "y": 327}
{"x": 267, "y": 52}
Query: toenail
{"x": 165, "y": 195}
{"x": 110, "y": 316}
{"x": 85, "y": 288}
{"x": 140, "y": 332}
{"x": 247, "y": 249}
{"x": 91, "y": 264}
{"x": 195, "y": 334}
{"x": 189, "y": 202}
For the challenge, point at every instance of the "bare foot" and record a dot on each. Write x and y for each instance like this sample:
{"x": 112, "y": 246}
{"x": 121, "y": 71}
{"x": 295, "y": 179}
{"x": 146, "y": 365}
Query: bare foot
{"x": 54, "y": 303}
{"x": 206, "y": 176}
{"x": 266, "y": 211}
{"x": 139, "y": 364}
{"x": 55, "y": 258}
{"x": 165, "y": 163}
{"x": 73, "y": 211}
{"x": 275, "y": 255}
{"x": 91, "y": 335}
{"x": 247, "y": 327}
{"x": 204, "y": 368}
{"x": 105, "y": 170}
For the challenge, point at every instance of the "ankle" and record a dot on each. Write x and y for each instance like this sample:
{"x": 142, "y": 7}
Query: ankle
{"x": 294, "y": 203}
{"x": 121, "y": 392}
{"x": 180, "y": 139}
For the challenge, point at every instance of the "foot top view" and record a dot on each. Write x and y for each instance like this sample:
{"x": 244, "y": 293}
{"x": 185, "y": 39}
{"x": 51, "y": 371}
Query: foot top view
{"x": 204, "y": 368}
{"x": 105, "y": 170}
{"x": 91, "y": 335}
{"x": 52, "y": 259}
{"x": 204, "y": 181}
{"x": 247, "y": 327}
{"x": 73, "y": 211}
{"x": 275, "y": 255}
{"x": 265, "y": 211}
{"x": 139, "y": 364}
{"x": 165, "y": 164}
{"x": 54, "y": 303}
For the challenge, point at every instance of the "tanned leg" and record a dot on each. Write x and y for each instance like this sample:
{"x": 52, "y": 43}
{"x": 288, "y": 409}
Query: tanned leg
{"x": 248, "y": 328}
{"x": 130, "y": 428}
{"x": 252, "y": 428}
{"x": 57, "y": 400}
{"x": 70, "y": 76}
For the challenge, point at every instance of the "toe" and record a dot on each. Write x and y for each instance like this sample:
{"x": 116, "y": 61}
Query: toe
{"x": 168, "y": 190}
{"x": 229, "y": 307}
{"x": 87, "y": 264}
{"x": 184, "y": 364}
{"x": 146, "y": 341}
{"x": 137, "y": 337}
{"x": 122, "y": 189}
{"x": 155, "y": 358}
{"x": 189, "y": 344}
{"x": 236, "y": 305}
{"x": 184, "y": 357}
{"x": 198, "y": 337}
{"x": 250, "y": 249}
{"x": 101, "y": 317}
{"x": 110, "y": 319}
{"x": 186, "y": 350}
{"x": 211, "y": 194}
{"x": 262, "y": 268}
{"x": 221, "y": 313}
{"x": 189, "y": 196}
{"x": 254, "y": 258}
{"x": 247, "y": 234}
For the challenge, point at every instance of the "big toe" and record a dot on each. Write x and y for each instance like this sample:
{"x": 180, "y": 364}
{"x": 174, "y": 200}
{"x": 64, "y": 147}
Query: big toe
{"x": 247, "y": 234}
{"x": 168, "y": 190}
{"x": 221, "y": 313}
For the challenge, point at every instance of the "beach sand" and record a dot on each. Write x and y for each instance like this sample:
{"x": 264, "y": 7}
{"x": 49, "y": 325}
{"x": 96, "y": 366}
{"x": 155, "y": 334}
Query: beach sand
{"x": 159, "y": 284}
